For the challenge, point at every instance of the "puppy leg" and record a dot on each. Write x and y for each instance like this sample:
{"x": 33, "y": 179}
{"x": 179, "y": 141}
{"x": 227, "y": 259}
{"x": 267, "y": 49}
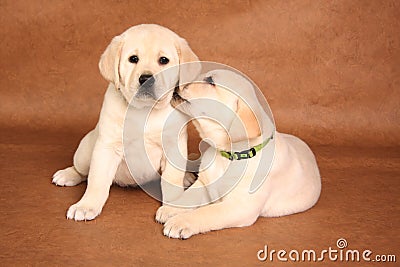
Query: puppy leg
{"x": 78, "y": 172}
{"x": 83, "y": 154}
{"x": 172, "y": 185}
{"x": 67, "y": 177}
{"x": 212, "y": 217}
{"x": 165, "y": 212}
{"x": 193, "y": 197}
{"x": 102, "y": 171}
{"x": 173, "y": 182}
{"x": 191, "y": 175}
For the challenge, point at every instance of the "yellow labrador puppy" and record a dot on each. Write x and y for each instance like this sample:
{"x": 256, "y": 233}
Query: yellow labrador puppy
{"x": 130, "y": 63}
{"x": 292, "y": 185}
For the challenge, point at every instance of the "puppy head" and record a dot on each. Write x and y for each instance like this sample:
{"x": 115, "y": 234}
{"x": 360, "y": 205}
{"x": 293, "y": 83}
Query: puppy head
{"x": 143, "y": 62}
{"x": 218, "y": 107}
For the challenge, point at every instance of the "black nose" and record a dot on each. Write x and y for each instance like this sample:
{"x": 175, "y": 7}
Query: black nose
{"x": 144, "y": 77}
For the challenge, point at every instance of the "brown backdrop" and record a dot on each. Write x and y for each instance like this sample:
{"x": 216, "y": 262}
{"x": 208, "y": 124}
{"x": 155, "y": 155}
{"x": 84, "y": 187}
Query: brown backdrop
{"x": 329, "y": 69}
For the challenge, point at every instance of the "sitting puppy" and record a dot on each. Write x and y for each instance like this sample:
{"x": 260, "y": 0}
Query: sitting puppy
{"x": 292, "y": 184}
{"x": 130, "y": 63}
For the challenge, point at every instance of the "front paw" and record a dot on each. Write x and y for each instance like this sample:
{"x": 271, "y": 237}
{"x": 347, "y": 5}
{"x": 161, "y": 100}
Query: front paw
{"x": 67, "y": 177}
{"x": 83, "y": 211}
{"x": 181, "y": 226}
{"x": 165, "y": 212}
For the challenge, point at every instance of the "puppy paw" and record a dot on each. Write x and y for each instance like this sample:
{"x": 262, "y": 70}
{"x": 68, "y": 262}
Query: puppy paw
{"x": 67, "y": 177}
{"x": 180, "y": 226}
{"x": 165, "y": 212}
{"x": 82, "y": 211}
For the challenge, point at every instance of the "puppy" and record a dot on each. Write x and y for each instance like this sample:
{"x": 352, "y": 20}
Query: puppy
{"x": 130, "y": 64}
{"x": 238, "y": 197}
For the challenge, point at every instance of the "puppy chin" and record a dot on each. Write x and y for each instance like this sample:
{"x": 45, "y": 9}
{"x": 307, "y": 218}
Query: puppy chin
{"x": 141, "y": 103}
{"x": 137, "y": 100}
{"x": 144, "y": 101}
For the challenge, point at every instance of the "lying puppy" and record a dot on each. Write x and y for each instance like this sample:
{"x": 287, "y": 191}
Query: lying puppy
{"x": 292, "y": 185}
{"x": 130, "y": 63}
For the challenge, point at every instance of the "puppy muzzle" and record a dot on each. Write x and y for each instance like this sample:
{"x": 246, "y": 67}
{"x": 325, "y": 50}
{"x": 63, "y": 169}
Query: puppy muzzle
{"x": 146, "y": 89}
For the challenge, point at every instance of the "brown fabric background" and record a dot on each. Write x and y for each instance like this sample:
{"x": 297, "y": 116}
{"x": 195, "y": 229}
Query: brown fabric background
{"x": 329, "y": 69}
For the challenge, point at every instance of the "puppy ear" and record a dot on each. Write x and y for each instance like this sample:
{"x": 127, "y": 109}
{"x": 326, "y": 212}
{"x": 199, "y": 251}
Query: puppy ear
{"x": 187, "y": 72}
{"x": 248, "y": 118}
{"x": 109, "y": 61}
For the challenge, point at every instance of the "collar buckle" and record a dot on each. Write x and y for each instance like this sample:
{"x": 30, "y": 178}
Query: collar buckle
{"x": 245, "y": 154}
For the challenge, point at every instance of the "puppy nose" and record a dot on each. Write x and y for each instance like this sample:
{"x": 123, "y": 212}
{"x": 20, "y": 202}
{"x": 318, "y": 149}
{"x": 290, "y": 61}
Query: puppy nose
{"x": 144, "y": 77}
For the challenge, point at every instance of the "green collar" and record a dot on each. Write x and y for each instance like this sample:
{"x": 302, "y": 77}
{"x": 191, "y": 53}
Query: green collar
{"x": 246, "y": 154}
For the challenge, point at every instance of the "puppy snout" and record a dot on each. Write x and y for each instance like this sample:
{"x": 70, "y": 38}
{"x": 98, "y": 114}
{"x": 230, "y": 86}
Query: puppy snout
{"x": 146, "y": 88}
{"x": 146, "y": 78}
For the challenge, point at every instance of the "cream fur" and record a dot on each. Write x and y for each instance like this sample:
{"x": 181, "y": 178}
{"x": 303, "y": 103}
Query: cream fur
{"x": 100, "y": 155}
{"x": 292, "y": 185}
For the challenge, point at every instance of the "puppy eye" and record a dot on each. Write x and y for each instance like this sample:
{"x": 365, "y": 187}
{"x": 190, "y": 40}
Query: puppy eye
{"x": 163, "y": 60}
{"x": 209, "y": 80}
{"x": 133, "y": 59}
